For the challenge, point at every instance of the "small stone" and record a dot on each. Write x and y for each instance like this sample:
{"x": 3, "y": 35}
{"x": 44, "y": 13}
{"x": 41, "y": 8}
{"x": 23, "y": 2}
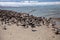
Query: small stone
{"x": 34, "y": 30}
{"x": 53, "y": 36}
{"x": 5, "y": 28}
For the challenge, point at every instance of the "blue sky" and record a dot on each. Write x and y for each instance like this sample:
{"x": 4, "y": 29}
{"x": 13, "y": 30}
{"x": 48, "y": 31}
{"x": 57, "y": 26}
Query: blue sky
{"x": 28, "y": 0}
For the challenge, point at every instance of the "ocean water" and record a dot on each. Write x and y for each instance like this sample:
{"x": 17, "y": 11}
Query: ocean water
{"x": 46, "y": 11}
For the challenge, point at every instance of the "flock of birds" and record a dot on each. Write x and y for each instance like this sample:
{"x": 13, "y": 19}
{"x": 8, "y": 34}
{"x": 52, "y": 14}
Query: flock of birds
{"x": 25, "y": 20}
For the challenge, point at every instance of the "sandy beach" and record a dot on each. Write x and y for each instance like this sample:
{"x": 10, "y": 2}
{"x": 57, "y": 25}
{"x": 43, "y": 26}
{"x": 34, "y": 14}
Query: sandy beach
{"x": 32, "y": 32}
{"x": 14, "y": 32}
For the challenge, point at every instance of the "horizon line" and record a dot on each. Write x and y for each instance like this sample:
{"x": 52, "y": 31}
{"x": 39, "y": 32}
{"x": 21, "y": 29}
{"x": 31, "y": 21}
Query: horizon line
{"x": 27, "y": 3}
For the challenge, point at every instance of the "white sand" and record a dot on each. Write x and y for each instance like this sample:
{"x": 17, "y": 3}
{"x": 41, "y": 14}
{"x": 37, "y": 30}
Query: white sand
{"x": 19, "y": 33}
